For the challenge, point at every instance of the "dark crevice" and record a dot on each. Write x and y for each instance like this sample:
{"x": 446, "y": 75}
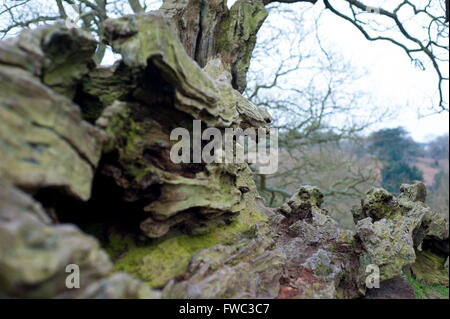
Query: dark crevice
{"x": 437, "y": 246}
{"x": 198, "y": 41}
{"x": 91, "y": 107}
{"x": 106, "y": 210}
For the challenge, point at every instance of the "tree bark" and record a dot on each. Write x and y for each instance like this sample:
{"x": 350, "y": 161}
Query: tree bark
{"x": 209, "y": 30}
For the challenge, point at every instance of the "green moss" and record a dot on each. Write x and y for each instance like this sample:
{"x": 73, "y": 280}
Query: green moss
{"x": 429, "y": 269}
{"x": 118, "y": 244}
{"x": 240, "y": 27}
{"x": 126, "y": 135}
{"x": 92, "y": 112}
{"x": 319, "y": 268}
{"x": 423, "y": 291}
{"x": 131, "y": 138}
{"x": 162, "y": 259}
{"x": 378, "y": 204}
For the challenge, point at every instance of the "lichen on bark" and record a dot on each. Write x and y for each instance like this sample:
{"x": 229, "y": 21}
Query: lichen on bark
{"x": 208, "y": 30}
{"x": 189, "y": 230}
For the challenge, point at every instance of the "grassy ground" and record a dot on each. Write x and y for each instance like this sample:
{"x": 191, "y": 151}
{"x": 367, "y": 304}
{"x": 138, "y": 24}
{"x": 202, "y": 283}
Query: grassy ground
{"x": 428, "y": 292}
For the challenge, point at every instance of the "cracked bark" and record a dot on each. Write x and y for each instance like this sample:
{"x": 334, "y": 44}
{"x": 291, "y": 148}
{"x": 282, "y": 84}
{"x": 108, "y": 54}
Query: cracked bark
{"x": 209, "y": 30}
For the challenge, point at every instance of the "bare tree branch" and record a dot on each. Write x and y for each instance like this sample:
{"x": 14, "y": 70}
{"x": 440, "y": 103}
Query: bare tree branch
{"x": 266, "y": 2}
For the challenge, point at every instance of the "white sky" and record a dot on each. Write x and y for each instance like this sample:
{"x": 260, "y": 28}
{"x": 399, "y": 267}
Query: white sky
{"x": 391, "y": 77}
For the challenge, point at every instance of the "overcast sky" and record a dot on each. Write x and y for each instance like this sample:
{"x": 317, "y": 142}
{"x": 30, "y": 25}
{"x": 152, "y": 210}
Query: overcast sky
{"x": 391, "y": 77}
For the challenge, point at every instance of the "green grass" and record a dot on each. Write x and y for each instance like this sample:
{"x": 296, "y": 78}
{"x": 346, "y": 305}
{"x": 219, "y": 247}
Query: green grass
{"x": 423, "y": 291}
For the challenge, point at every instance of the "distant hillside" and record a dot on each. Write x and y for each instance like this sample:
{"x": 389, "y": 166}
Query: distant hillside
{"x": 430, "y": 168}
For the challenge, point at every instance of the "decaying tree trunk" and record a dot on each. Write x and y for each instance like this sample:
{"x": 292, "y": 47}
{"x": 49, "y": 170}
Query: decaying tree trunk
{"x": 209, "y": 30}
{"x": 187, "y": 230}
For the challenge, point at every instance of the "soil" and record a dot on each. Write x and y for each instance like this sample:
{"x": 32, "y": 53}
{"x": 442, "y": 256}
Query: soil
{"x": 396, "y": 288}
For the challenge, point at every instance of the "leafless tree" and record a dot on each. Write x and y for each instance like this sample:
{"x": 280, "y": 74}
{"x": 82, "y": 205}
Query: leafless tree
{"x": 16, "y": 15}
{"x": 311, "y": 93}
{"x": 418, "y": 27}
{"x": 312, "y": 96}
